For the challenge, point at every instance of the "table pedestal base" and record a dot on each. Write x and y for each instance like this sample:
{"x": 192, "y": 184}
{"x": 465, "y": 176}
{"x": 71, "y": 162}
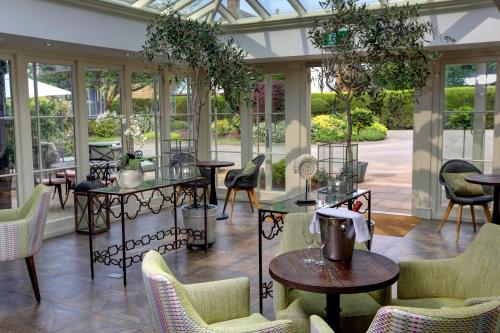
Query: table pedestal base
{"x": 333, "y": 311}
{"x": 222, "y": 216}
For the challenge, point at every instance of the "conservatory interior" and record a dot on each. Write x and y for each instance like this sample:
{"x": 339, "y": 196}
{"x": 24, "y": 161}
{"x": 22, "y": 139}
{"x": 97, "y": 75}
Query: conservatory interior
{"x": 249, "y": 166}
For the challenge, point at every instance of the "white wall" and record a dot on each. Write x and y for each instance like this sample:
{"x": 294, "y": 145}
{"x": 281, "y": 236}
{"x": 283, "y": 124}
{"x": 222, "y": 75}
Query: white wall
{"x": 53, "y": 21}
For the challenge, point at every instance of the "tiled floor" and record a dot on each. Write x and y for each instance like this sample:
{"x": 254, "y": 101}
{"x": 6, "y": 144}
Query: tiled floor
{"x": 72, "y": 302}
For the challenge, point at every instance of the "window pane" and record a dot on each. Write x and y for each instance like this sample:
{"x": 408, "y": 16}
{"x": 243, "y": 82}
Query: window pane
{"x": 103, "y": 111}
{"x": 53, "y": 133}
{"x": 181, "y": 115}
{"x": 8, "y": 184}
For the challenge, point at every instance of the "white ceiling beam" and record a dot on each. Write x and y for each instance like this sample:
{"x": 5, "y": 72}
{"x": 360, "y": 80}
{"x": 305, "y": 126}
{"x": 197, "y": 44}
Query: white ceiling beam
{"x": 141, "y": 3}
{"x": 297, "y": 6}
{"x": 198, "y": 14}
{"x": 211, "y": 16}
{"x": 261, "y": 11}
{"x": 230, "y": 17}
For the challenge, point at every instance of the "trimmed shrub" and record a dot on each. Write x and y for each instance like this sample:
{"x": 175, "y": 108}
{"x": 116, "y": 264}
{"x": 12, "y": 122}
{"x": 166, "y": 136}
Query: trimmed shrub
{"x": 277, "y": 133}
{"x": 278, "y": 170}
{"x": 178, "y": 124}
{"x": 329, "y": 129}
{"x": 278, "y": 98}
{"x": 319, "y": 106}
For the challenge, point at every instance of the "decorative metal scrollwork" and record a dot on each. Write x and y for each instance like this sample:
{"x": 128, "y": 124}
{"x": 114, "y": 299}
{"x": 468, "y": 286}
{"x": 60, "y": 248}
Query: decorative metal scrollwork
{"x": 184, "y": 237}
{"x": 266, "y": 290}
{"x": 277, "y": 225}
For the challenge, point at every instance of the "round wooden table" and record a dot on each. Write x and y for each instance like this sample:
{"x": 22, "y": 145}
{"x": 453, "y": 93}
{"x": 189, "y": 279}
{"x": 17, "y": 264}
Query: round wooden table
{"x": 490, "y": 180}
{"x": 366, "y": 271}
{"x": 212, "y": 165}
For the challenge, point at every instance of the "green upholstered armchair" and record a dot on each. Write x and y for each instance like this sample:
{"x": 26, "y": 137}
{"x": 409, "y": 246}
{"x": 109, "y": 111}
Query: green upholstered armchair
{"x": 395, "y": 319}
{"x": 318, "y": 325}
{"x": 218, "y": 306}
{"x": 470, "y": 278}
{"x": 358, "y": 310}
{"x": 21, "y": 231}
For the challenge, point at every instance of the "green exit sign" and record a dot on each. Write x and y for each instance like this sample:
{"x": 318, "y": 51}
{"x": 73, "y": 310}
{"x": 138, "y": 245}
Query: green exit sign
{"x": 332, "y": 39}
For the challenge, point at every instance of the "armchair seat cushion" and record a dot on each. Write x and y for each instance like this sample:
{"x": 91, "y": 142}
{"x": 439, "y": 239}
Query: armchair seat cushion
{"x": 430, "y": 303}
{"x": 358, "y": 310}
{"x": 255, "y": 318}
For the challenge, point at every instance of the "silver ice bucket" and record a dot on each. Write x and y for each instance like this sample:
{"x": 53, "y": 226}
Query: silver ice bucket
{"x": 338, "y": 235}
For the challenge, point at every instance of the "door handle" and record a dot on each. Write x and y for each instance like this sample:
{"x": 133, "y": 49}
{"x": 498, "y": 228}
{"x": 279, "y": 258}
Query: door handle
{"x": 268, "y": 137}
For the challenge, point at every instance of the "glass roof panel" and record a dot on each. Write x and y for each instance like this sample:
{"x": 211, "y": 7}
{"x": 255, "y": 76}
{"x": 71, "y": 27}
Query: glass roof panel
{"x": 159, "y": 5}
{"x": 310, "y": 5}
{"x": 194, "y": 6}
{"x": 277, "y": 7}
{"x": 238, "y": 11}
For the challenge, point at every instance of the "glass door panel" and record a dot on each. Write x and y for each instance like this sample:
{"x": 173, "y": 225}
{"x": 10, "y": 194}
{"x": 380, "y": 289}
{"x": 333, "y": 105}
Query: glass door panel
{"x": 147, "y": 115}
{"x": 8, "y": 172}
{"x": 268, "y": 121}
{"x": 225, "y": 135}
{"x": 102, "y": 88}
{"x": 53, "y": 133}
{"x": 469, "y": 108}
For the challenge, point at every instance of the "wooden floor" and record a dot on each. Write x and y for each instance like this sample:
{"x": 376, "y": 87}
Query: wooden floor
{"x": 72, "y": 302}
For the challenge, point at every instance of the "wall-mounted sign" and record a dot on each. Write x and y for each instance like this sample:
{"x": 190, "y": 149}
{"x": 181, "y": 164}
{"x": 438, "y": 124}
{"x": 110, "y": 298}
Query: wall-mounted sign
{"x": 331, "y": 39}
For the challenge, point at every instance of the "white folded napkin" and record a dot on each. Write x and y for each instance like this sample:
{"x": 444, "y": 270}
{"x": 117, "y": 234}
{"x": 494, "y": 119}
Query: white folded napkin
{"x": 360, "y": 225}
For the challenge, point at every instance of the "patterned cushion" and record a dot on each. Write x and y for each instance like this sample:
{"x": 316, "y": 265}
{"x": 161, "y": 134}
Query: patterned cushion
{"x": 22, "y": 234}
{"x": 461, "y": 187}
{"x": 479, "y": 318}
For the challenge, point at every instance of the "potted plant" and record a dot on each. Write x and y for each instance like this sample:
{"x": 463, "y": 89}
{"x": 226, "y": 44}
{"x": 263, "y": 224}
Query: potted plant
{"x": 130, "y": 174}
{"x": 365, "y": 51}
{"x": 198, "y": 50}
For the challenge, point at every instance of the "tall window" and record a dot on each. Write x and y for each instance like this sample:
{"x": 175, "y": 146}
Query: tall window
{"x": 8, "y": 172}
{"x": 103, "y": 87}
{"x": 146, "y": 109}
{"x": 53, "y": 132}
{"x": 181, "y": 113}
{"x": 268, "y": 121}
{"x": 225, "y": 135}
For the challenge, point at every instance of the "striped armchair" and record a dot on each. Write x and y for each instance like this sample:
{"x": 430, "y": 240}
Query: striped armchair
{"x": 484, "y": 317}
{"x": 21, "y": 231}
{"x": 210, "y": 307}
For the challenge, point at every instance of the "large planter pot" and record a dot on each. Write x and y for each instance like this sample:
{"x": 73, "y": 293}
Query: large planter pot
{"x": 194, "y": 219}
{"x": 362, "y": 166}
{"x": 130, "y": 178}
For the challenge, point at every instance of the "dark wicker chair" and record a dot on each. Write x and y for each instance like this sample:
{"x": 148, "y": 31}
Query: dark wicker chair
{"x": 460, "y": 166}
{"x": 235, "y": 182}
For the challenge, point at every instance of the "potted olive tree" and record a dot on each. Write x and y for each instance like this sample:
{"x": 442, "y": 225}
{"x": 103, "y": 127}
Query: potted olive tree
{"x": 214, "y": 62}
{"x": 365, "y": 51}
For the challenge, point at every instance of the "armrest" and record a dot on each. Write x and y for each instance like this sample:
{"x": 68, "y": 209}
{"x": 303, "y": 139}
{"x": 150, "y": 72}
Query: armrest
{"x": 9, "y": 215}
{"x": 427, "y": 278}
{"x": 480, "y": 300}
{"x": 281, "y": 326}
{"x": 318, "y": 325}
{"x": 221, "y": 300}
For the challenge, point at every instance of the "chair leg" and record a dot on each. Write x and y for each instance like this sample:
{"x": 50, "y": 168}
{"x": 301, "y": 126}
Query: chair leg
{"x": 473, "y": 215}
{"x": 30, "y": 263}
{"x": 228, "y": 193}
{"x": 445, "y": 216}
{"x": 254, "y": 196}
{"x": 250, "y": 199}
{"x": 232, "y": 205}
{"x": 54, "y": 194}
{"x": 459, "y": 221}
{"x": 487, "y": 212}
{"x": 59, "y": 191}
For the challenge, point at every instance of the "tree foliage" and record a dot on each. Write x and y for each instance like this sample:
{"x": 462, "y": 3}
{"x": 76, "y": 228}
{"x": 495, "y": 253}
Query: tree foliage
{"x": 198, "y": 48}
{"x": 374, "y": 50}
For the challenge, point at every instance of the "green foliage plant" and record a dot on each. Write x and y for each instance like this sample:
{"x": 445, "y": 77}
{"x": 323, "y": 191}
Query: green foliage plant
{"x": 377, "y": 49}
{"x": 362, "y": 118}
{"x": 199, "y": 49}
